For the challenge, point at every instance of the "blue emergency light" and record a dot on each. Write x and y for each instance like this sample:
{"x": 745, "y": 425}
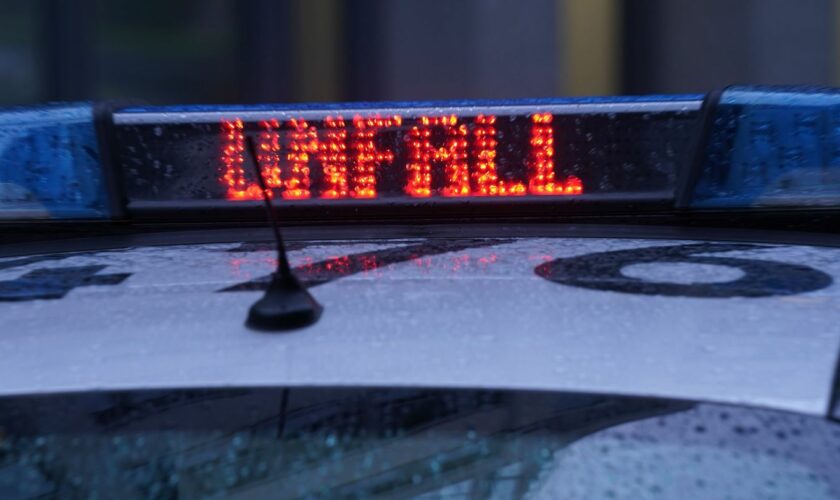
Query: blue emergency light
{"x": 743, "y": 148}
{"x": 50, "y": 164}
{"x": 769, "y": 146}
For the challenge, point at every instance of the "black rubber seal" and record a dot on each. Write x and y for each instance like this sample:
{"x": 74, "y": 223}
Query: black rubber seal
{"x": 103, "y": 122}
{"x": 688, "y": 176}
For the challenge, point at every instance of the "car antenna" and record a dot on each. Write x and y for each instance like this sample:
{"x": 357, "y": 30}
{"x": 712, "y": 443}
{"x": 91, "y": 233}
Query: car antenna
{"x": 286, "y": 304}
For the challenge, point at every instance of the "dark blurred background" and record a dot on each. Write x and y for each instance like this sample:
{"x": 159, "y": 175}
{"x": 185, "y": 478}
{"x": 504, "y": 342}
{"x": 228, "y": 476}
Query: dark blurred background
{"x": 227, "y": 51}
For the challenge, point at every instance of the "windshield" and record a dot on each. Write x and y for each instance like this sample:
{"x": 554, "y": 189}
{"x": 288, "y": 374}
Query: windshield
{"x": 362, "y": 443}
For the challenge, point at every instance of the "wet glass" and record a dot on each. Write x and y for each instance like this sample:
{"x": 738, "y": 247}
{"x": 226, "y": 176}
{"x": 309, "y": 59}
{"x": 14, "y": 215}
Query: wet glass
{"x": 771, "y": 147}
{"x": 369, "y": 443}
{"x": 611, "y": 148}
{"x": 50, "y": 164}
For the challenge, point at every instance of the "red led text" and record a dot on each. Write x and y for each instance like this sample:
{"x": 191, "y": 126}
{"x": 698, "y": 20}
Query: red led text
{"x": 351, "y": 157}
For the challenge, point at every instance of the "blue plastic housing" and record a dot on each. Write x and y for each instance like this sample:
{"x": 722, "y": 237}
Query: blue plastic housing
{"x": 771, "y": 147}
{"x": 49, "y": 164}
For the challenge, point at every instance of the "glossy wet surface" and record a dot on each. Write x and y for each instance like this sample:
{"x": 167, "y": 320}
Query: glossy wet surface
{"x": 505, "y": 312}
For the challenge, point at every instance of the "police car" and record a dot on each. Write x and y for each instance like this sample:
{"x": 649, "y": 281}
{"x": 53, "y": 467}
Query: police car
{"x": 567, "y": 298}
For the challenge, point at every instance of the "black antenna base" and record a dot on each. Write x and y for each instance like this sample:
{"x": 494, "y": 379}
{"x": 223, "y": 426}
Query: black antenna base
{"x": 286, "y": 305}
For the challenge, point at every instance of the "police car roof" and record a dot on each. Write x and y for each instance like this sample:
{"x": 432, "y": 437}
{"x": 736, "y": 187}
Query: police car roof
{"x": 668, "y": 313}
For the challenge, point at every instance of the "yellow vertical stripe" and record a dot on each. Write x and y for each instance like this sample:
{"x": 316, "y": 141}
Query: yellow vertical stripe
{"x": 319, "y": 31}
{"x": 590, "y": 46}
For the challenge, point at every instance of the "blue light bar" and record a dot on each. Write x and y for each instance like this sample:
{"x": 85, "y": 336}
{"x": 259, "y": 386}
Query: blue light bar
{"x": 49, "y": 164}
{"x": 770, "y": 147}
{"x": 761, "y": 147}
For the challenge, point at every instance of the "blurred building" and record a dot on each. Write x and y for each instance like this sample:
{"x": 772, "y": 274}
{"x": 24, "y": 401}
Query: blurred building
{"x": 222, "y": 51}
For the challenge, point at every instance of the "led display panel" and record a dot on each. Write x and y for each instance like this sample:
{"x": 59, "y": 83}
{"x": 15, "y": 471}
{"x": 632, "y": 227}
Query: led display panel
{"x": 407, "y": 152}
